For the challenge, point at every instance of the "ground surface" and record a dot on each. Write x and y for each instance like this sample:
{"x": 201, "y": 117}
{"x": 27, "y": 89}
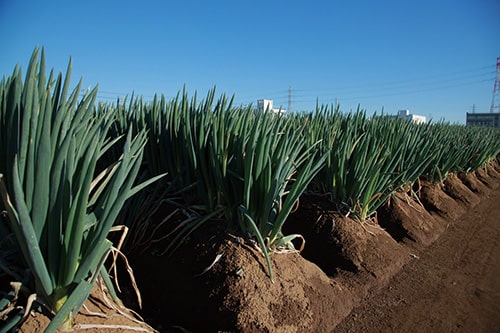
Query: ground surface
{"x": 453, "y": 286}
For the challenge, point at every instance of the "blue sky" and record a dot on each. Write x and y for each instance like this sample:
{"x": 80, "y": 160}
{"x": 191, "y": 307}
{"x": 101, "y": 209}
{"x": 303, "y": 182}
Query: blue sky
{"x": 436, "y": 58}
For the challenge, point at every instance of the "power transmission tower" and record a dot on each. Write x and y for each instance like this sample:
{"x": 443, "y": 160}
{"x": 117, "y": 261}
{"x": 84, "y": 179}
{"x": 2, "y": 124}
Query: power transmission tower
{"x": 495, "y": 100}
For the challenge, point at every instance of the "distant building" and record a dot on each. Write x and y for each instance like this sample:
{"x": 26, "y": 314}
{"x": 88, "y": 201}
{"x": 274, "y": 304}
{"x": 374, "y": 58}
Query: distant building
{"x": 267, "y": 104}
{"x": 405, "y": 114}
{"x": 483, "y": 119}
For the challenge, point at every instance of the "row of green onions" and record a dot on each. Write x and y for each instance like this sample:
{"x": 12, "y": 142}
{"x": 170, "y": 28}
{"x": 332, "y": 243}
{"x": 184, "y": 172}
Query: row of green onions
{"x": 71, "y": 168}
{"x": 248, "y": 167}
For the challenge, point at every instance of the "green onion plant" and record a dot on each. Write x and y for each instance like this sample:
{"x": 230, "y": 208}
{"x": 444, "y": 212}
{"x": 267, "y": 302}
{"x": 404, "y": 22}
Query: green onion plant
{"x": 60, "y": 208}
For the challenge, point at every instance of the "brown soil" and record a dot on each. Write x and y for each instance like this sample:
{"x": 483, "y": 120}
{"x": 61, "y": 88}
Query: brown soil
{"x": 456, "y": 189}
{"x": 426, "y": 264}
{"x": 99, "y": 314}
{"x": 452, "y": 286}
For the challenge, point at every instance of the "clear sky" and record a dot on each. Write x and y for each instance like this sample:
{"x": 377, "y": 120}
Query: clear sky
{"x": 434, "y": 57}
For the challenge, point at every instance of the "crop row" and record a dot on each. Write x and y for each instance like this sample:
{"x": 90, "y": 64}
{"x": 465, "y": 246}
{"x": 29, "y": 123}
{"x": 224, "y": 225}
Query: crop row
{"x": 72, "y": 168}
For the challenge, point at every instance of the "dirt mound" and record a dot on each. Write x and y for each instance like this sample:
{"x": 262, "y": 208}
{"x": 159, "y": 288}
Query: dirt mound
{"x": 236, "y": 293}
{"x": 456, "y": 189}
{"x": 440, "y": 204}
{"x": 301, "y": 299}
{"x": 343, "y": 247}
{"x": 483, "y": 179}
{"x": 407, "y": 220}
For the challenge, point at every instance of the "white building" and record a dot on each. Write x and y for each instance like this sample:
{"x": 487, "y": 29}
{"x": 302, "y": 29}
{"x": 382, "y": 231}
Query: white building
{"x": 405, "y": 114}
{"x": 267, "y": 104}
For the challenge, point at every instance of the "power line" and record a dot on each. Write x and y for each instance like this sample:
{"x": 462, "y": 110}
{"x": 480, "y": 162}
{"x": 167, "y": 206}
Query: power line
{"x": 354, "y": 89}
{"x": 357, "y": 92}
{"x": 429, "y": 78}
{"x": 383, "y": 89}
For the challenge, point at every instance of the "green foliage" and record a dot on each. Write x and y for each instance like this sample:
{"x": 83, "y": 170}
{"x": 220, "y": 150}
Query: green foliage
{"x": 250, "y": 168}
{"x": 59, "y": 213}
{"x": 370, "y": 158}
{"x": 68, "y": 169}
{"x": 459, "y": 149}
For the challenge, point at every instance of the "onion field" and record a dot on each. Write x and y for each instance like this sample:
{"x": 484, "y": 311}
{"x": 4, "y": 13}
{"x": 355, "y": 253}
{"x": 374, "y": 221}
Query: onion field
{"x": 73, "y": 170}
